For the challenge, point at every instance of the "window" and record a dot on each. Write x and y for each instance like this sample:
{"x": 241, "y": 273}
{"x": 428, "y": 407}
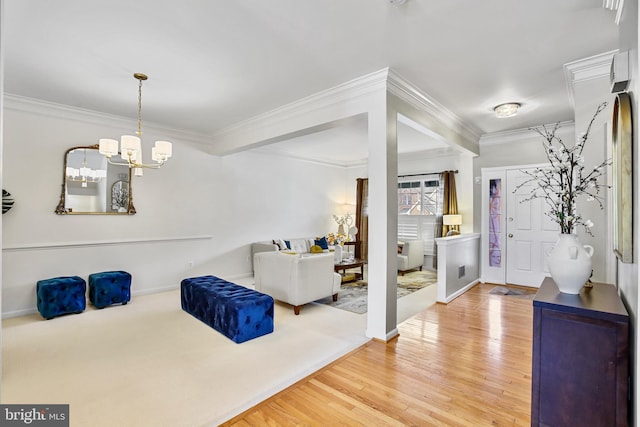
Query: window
{"x": 418, "y": 197}
{"x": 419, "y": 202}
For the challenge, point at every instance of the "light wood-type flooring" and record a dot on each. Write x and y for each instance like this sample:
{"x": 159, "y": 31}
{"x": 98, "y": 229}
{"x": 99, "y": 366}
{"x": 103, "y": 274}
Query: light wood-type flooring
{"x": 467, "y": 363}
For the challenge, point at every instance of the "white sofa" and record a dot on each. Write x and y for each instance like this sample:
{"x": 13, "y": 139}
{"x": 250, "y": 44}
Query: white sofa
{"x": 296, "y": 279}
{"x": 300, "y": 245}
{"x": 412, "y": 256}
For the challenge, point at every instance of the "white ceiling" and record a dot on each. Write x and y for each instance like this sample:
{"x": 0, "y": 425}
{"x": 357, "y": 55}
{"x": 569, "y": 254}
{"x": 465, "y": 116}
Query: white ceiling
{"x": 212, "y": 64}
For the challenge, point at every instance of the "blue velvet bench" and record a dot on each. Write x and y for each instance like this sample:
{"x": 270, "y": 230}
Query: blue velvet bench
{"x": 109, "y": 287}
{"x": 237, "y": 312}
{"x": 61, "y": 295}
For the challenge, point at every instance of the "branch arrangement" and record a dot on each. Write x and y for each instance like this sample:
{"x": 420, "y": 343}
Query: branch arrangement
{"x": 566, "y": 178}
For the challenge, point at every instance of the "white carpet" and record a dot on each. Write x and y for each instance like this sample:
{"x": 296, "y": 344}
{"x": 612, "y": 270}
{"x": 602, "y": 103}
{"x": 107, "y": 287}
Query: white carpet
{"x": 149, "y": 363}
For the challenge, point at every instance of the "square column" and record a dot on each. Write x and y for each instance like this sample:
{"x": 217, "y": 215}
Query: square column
{"x": 383, "y": 221}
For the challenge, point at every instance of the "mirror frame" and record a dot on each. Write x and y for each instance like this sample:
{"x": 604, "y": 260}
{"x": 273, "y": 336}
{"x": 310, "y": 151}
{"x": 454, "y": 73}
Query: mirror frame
{"x": 62, "y": 210}
{"x": 622, "y": 135}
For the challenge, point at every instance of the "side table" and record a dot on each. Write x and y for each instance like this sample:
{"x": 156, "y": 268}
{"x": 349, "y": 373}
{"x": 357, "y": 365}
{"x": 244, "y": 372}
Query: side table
{"x": 347, "y": 264}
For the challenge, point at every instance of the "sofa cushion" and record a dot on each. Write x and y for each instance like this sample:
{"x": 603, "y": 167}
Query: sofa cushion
{"x": 299, "y": 245}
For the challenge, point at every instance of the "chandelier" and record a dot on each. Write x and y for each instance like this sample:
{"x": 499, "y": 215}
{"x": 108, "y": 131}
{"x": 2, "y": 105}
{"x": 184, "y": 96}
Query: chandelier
{"x": 131, "y": 146}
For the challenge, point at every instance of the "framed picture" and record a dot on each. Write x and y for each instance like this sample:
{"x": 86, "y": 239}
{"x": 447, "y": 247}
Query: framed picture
{"x": 622, "y": 136}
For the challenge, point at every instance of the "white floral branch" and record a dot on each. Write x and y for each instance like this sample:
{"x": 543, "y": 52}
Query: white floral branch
{"x": 566, "y": 179}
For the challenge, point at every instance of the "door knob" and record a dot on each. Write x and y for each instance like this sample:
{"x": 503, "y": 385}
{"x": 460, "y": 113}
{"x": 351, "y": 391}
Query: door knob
{"x": 510, "y": 235}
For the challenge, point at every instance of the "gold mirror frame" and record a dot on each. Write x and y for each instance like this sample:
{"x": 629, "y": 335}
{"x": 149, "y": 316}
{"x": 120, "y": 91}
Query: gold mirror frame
{"x": 61, "y": 209}
{"x": 622, "y": 135}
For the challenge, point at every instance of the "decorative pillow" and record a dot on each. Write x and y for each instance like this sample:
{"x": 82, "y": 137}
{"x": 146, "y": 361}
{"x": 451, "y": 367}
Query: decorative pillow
{"x": 280, "y": 244}
{"x": 322, "y": 242}
{"x": 288, "y": 243}
{"x": 315, "y": 249}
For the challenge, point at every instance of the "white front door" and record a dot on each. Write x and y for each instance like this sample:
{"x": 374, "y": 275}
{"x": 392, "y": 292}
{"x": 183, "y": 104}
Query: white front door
{"x": 529, "y": 233}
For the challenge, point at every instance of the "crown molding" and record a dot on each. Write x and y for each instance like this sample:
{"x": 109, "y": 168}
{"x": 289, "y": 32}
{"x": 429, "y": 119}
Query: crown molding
{"x": 582, "y": 70}
{"x": 512, "y": 136}
{"x": 246, "y": 132}
{"x": 347, "y": 91}
{"x": 67, "y": 112}
{"x": 405, "y": 90}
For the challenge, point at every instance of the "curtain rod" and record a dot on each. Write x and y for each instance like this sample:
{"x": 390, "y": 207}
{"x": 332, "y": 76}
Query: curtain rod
{"x": 425, "y": 173}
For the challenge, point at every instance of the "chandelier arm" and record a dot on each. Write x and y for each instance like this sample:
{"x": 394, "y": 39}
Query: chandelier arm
{"x": 136, "y": 165}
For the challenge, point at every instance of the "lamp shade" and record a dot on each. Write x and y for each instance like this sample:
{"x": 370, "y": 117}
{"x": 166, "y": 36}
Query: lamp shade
{"x": 161, "y": 151}
{"x": 108, "y": 147}
{"x": 130, "y": 147}
{"x": 452, "y": 219}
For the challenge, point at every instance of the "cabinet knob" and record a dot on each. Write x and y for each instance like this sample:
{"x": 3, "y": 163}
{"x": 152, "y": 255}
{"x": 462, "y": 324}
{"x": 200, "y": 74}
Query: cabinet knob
{"x": 510, "y": 235}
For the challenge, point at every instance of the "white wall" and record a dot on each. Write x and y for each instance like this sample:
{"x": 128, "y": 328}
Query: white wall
{"x": 198, "y": 209}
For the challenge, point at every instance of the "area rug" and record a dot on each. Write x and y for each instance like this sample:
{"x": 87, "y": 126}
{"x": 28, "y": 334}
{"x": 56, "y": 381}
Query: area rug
{"x": 515, "y": 292}
{"x": 353, "y": 295}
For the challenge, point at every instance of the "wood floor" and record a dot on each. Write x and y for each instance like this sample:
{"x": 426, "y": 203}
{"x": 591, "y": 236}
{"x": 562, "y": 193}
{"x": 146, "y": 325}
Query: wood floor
{"x": 467, "y": 363}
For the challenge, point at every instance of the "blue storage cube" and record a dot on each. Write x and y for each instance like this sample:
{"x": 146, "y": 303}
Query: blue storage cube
{"x": 61, "y": 295}
{"x": 109, "y": 287}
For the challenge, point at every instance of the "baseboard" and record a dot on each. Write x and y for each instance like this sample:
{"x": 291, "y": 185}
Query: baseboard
{"x": 34, "y": 310}
{"x": 456, "y": 294}
{"x": 18, "y": 313}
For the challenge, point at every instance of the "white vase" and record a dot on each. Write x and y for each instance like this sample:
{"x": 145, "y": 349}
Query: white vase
{"x": 337, "y": 254}
{"x": 569, "y": 263}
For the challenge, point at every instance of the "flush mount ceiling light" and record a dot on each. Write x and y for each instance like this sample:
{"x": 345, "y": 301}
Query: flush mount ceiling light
{"x": 131, "y": 146}
{"x": 507, "y": 110}
{"x": 397, "y": 2}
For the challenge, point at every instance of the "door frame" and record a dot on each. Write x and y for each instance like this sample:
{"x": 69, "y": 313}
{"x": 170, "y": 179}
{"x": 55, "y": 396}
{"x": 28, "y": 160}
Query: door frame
{"x": 498, "y": 275}
{"x": 490, "y": 274}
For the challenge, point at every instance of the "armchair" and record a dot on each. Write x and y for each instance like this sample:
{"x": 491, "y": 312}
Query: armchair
{"x": 412, "y": 256}
{"x": 296, "y": 279}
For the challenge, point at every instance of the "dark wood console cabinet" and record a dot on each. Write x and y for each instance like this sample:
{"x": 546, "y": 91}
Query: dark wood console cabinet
{"x": 580, "y": 371}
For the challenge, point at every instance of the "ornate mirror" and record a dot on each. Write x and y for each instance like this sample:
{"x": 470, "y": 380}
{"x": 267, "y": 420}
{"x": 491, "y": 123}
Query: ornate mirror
{"x": 91, "y": 185}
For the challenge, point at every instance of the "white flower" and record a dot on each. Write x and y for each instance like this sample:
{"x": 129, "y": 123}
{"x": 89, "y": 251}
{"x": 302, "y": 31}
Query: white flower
{"x": 588, "y": 223}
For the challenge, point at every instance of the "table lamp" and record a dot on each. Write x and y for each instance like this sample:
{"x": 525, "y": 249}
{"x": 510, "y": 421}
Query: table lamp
{"x": 452, "y": 220}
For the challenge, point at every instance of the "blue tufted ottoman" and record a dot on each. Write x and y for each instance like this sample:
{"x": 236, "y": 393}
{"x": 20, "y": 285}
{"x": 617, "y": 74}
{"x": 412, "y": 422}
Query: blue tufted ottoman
{"x": 61, "y": 295}
{"x": 109, "y": 287}
{"x": 237, "y": 312}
